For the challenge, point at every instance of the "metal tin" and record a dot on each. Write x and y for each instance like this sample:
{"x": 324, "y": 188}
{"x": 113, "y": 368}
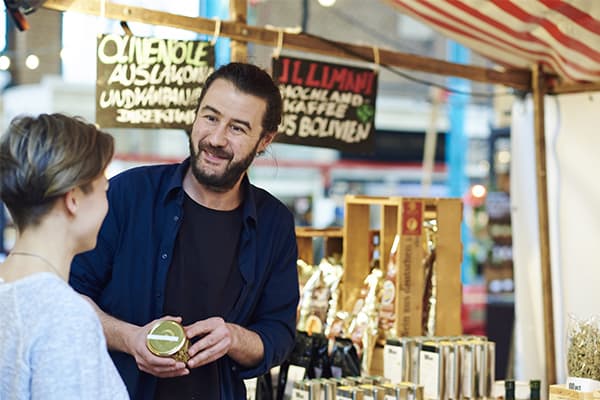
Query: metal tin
{"x": 342, "y": 382}
{"x": 167, "y": 339}
{"x": 328, "y": 388}
{"x": 356, "y": 380}
{"x": 415, "y": 392}
{"x": 491, "y": 367}
{"x": 467, "y": 370}
{"x": 451, "y": 370}
{"x": 372, "y": 392}
{"x": 431, "y": 364}
{"x": 378, "y": 379}
{"x": 480, "y": 350}
{"x": 412, "y": 348}
{"x": 349, "y": 393}
{"x": 395, "y": 392}
{"x": 394, "y": 360}
{"x": 306, "y": 390}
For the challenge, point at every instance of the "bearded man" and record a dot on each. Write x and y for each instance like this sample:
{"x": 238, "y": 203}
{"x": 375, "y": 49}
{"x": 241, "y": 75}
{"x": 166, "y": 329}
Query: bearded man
{"x": 197, "y": 243}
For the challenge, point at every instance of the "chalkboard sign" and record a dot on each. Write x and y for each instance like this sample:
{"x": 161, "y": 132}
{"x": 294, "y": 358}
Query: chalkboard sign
{"x": 150, "y": 82}
{"x": 326, "y": 105}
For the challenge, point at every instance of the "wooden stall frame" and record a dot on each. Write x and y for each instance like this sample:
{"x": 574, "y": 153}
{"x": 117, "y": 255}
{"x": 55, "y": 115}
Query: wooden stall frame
{"x": 332, "y": 242}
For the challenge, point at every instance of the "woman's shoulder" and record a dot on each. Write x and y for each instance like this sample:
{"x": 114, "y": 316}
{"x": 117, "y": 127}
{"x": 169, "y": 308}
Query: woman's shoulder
{"x": 44, "y": 301}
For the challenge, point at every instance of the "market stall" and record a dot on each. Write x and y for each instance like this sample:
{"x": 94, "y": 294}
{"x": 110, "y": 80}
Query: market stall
{"x": 538, "y": 57}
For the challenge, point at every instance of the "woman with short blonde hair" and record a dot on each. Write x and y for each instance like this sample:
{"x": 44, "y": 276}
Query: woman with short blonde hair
{"x": 52, "y": 180}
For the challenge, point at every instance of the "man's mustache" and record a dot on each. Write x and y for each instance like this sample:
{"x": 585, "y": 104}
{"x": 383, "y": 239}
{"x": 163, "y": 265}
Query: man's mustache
{"x": 216, "y": 151}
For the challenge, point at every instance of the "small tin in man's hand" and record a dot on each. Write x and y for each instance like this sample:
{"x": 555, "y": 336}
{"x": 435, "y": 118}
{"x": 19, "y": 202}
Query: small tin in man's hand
{"x": 167, "y": 339}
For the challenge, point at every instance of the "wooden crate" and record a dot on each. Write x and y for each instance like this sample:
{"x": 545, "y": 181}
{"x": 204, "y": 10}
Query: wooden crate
{"x": 405, "y": 216}
{"x": 305, "y": 238}
{"x": 561, "y": 392}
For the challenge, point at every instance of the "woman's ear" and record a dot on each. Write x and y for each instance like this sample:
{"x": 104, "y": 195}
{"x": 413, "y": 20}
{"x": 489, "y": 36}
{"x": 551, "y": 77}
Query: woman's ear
{"x": 71, "y": 201}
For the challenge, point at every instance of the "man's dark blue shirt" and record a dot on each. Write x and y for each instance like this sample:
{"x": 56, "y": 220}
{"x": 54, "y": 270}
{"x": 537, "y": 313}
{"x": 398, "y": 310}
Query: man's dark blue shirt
{"x": 126, "y": 273}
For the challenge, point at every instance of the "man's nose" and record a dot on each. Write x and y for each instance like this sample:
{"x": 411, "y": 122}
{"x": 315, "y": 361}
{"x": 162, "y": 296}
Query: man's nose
{"x": 218, "y": 136}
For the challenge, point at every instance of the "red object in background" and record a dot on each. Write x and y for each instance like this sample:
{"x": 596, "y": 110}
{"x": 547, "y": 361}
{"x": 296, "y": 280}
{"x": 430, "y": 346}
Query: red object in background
{"x": 473, "y": 309}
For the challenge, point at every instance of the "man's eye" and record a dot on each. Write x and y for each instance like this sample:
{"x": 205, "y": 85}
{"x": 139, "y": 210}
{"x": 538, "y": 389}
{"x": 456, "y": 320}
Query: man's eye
{"x": 238, "y": 129}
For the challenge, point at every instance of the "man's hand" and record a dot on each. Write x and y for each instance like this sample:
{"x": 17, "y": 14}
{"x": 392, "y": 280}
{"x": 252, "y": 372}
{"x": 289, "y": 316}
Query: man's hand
{"x": 162, "y": 367}
{"x": 217, "y": 338}
{"x": 215, "y": 341}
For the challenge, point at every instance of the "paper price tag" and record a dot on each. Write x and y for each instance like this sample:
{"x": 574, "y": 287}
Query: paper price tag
{"x": 250, "y": 388}
{"x": 393, "y": 363}
{"x": 295, "y": 373}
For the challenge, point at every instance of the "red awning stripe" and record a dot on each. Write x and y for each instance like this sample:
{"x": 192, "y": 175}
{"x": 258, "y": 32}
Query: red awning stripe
{"x": 514, "y": 27}
{"x": 507, "y": 58}
{"x": 482, "y": 42}
{"x": 523, "y": 41}
{"x": 564, "y": 35}
{"x": 575, "y": 14}
{"x": 560, "y": 37}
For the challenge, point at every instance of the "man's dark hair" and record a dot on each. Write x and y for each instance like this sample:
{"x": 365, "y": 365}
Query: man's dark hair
{"x": 255, "y": 81}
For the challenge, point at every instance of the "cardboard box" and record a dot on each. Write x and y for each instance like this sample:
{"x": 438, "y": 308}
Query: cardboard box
{"x": 405, "y": 216}
{"x": 561, "y": 392}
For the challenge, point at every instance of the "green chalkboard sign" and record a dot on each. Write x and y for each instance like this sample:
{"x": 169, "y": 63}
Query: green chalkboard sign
{"x": 150, "y": 82}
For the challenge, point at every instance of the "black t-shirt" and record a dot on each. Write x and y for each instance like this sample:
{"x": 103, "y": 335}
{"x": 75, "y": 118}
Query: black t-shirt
{"x": 203, "y": 281}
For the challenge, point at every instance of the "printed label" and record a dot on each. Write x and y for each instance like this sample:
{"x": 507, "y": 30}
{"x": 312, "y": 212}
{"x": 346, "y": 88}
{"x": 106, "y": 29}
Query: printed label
{"x": 429, "y": 374}
{"x": 299, "y": 394}
{"x": 393, "y": 357}
{"x": 412, "y": 217}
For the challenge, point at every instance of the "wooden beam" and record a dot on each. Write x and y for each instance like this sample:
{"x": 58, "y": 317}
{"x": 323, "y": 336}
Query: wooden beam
{"x": 539, "y": 90}
{"x": 516, "y": 78}
{"x": 238, "y": 11}
{"x": 563, "y": 88}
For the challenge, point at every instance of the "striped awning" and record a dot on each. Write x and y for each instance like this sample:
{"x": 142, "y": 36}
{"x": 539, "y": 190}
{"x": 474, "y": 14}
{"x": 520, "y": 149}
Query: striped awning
{"x": 562, "y": 36}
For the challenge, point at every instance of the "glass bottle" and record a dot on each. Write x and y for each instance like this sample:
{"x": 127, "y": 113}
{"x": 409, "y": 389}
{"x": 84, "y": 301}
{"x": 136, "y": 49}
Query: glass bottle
{"x": 509, "y": 390}
{"x": 534, "y": 389}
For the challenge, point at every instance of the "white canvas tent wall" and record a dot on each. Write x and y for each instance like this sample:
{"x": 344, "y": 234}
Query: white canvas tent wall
{"x": 552, "y": 69}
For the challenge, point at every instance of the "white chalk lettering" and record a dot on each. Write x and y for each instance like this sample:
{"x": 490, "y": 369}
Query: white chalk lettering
{"x": 155, "y": 116}
{"x": 328, "y": 109}
{"x": 116, "y": 49}
{"x": 289, "y": 124}
{"x": 150, "y": 96}
{"x": 346, "y": 131}
{"x": 140, "y": 75}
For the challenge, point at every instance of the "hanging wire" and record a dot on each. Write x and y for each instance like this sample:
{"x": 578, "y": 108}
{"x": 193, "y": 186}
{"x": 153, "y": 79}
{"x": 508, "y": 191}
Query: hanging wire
{"x": 404, "y": 75}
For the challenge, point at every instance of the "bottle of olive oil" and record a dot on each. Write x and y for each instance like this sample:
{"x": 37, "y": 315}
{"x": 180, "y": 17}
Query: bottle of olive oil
{"x": 534, "y": 389}
{"x": 509, "y": 389}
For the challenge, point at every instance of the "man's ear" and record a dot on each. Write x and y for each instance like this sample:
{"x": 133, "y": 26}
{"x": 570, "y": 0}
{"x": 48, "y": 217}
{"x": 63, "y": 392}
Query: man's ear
{"x": 71, "y": 201}
{"x": 265, "y": 141}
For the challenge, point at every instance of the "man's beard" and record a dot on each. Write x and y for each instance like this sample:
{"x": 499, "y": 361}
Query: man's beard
{"x": 233, "y": 170}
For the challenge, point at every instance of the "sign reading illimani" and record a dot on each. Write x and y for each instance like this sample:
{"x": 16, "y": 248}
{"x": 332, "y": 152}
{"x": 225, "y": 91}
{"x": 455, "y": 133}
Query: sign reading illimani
{"x": 326, "y": 105}
{"x": 150, "y": 82}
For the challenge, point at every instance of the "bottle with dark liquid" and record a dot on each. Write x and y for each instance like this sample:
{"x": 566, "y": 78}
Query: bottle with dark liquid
{"x": 509, "y": 390}
{"x": 534, "y": 389}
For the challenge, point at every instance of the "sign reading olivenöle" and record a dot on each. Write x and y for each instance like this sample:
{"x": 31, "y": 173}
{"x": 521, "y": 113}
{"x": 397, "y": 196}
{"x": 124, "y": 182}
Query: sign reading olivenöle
{"x": 145, "y": 82}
